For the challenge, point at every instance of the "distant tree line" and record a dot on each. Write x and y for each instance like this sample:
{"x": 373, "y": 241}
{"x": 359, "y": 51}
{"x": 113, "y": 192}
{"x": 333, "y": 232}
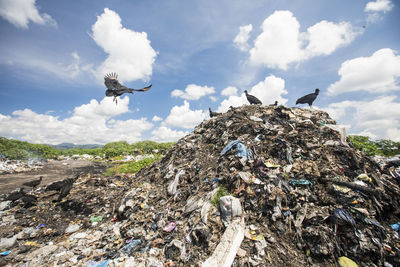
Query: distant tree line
{"x": 14, "y": 149}
{"x": 120, "y": 148}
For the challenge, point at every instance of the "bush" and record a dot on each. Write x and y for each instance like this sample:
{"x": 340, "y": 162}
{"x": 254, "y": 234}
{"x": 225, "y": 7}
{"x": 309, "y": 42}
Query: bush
{"x": 222, "y": 191}
{"x": 130, "y": 167}
{"x": 14, "y": 149}
{"x": 382, "y": 147}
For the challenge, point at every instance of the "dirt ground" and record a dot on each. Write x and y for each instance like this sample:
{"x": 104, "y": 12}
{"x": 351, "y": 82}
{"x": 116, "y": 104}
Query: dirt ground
{"x": 52, "y": 171}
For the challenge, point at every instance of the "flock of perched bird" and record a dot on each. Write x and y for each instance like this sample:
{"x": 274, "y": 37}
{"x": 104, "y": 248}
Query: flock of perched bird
{"x": 28, "y": 200}
{"x": 307, "y": 99}
{"x": 115, "y": 89}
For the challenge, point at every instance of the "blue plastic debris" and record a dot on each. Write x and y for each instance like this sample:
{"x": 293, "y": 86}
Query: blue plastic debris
{"x": 342, "y": 216}
{"x": 40, "y": 226}
{"x": 240, "y": 148}
{"x": 395, "y": 226}
{"x": 95, "y": 264}
{"x": 5, "y": 253}
{"x": 128, "y": 248}
{"x": 286, "y": 213}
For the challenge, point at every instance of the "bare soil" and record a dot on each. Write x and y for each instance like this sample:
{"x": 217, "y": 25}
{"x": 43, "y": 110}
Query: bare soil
{"x": 52, "y": 171}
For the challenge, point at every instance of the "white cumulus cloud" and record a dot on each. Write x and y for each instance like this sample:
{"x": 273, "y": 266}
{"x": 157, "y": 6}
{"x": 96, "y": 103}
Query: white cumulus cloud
{"x": 234, "y": 101}
{"x": 375, "y": 9}
{"x": 269, "y": 90}
{"x": 193, "y": 92}
{"x": 379, "y": 6}
{"x": 230, "y": 90}
{"x": 165, "y": 134}
{"x": 378, "y": 118}
{"x": 325, "y": 37}
{"x": 241, "y": 40}
{"x": 156, "y": 118}
{"x": 376, "y": 74}
{"x": 21, "y": 12}
{"x": 184, "y": 117}
{"x": 89, "y": 123}
{"x": 129, "y": 53}
{"x": 281, "y": 42}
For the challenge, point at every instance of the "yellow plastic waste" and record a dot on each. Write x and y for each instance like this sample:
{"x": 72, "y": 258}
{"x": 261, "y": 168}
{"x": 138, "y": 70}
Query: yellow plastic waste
{"x": 253, "y": 236}
{"x": 270, "y": 164}
{"x": 364, "y": 177}
{"x": 346, "y": 262}
{"x": 342, "y": 189}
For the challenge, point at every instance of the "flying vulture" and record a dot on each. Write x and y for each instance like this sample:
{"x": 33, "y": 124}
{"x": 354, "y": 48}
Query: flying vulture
{"x": 308, "y": 99}
{"x": 213, "y": 114}
{"x": 115, "y": 89}
{"x": 252, "y": 99}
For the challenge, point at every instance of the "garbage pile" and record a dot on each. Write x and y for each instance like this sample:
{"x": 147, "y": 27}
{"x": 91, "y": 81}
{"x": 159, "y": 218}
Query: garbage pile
{"x": 256, "y": 186}
{"x": 15, "y": 166}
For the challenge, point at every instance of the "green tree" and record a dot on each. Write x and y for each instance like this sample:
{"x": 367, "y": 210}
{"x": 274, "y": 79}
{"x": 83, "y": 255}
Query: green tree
{"x": 381, "y": 147}
{"x": 364, "y": 144}
{"x": 114, "y": 149}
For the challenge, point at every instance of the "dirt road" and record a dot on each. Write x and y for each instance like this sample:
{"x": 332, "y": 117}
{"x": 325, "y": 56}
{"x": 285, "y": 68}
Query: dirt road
{"x": 51, "y": 171}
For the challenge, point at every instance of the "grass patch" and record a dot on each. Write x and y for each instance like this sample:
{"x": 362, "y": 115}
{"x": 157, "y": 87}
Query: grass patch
{"x": 222, "y": 191}
{"x": 130, "y": 167}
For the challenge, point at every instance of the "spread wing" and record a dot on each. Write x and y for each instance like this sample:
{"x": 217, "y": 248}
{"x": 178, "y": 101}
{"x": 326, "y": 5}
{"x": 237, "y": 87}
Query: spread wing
{"x": 143, "y": 89}
{"x": 112, "y": 83}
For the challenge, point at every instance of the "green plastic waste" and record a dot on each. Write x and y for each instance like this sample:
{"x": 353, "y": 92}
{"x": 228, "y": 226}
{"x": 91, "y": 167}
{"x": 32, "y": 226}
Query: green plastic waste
{"x": 300, "y": 182}
{"x": 97, "y": 219}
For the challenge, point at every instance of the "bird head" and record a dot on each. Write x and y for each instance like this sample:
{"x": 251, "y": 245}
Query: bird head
{"x": 245, "y": 91}
{"x": 317, "y": 91}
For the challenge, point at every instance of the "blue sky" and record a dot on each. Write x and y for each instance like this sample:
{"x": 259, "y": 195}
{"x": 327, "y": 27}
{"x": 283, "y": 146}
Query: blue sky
{"x": 197, "y": 54}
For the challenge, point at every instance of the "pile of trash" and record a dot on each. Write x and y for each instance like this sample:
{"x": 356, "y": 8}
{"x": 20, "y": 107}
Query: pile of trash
{"x": 256, "y": 186}
{"x": 15, "y": 166}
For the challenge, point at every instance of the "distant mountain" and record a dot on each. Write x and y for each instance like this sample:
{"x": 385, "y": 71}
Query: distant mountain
{"x": 71, "y": 146}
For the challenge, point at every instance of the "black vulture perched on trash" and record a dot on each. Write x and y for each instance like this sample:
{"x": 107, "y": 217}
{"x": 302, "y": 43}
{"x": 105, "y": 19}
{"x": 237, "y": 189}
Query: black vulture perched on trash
{"x": 308, "y": 99}
{"x": 56, "y": 186}
{"x": 28, "y": 200}
{"x": 276, "y": 103}
{"x": 252, "y": 99}
{"x": 65, "y": 187}
{"x": 64, "y": 191}
{"x": 25, "y": 199}
{"x": 213, "y": 114}
{"x": 16, "y": 195}
{"x": 115, "y": 89}
{"x": 33, "y": 183}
